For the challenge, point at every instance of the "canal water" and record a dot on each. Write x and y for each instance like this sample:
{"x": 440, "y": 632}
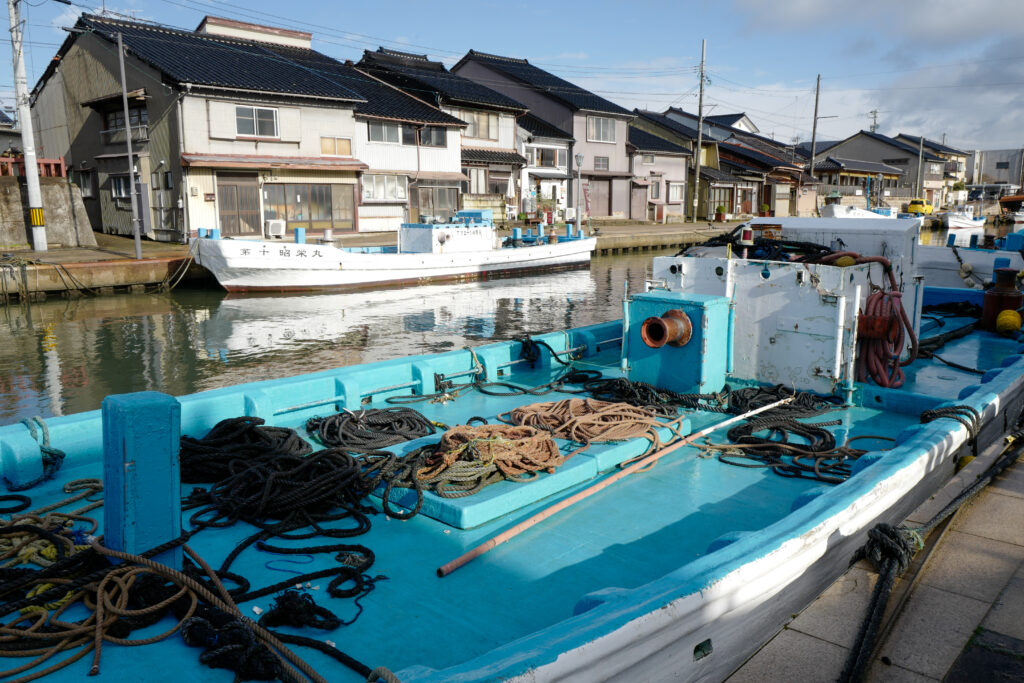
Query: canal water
{"x": 64, "y": 356}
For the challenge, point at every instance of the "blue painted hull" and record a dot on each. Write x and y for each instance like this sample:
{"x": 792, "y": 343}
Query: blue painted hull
{"x": 631, "y": 584}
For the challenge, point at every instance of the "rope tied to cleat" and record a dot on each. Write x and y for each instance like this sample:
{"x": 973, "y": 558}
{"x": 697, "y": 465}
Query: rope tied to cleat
{"x": 52, "y": 457}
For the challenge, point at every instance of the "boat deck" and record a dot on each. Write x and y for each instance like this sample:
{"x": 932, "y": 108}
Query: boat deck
{"x": 644, "y": 528}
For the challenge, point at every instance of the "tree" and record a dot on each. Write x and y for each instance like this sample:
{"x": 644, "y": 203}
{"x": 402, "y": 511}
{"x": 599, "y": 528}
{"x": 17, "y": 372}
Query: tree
{"x": 959, "y": 185}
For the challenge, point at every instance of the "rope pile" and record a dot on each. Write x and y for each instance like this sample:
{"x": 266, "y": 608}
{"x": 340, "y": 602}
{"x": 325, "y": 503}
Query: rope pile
{"x": 587, "y": 421}
{"x": 467, "y": 459}
{"x": 371, "y": 429}
{"x": 231, "y": 445}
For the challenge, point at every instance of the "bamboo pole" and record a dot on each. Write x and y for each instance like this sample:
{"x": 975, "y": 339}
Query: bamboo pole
{"x": 643, "y": 463}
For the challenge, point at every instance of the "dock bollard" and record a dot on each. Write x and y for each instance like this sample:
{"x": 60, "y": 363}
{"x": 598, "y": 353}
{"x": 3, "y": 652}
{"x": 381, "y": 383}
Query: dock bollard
{"x": 201, "y": 233}
{"x": 974, "y": 241}
{"x": 517, "y": 233}
{"x": 568, "y": 229}
{"x": 951, "y": 240}
{"x": 141, "y": 474}
{"x": 540, "y": 230}
{"x": 300, "y": 235}
{"x": 214, "y": 233}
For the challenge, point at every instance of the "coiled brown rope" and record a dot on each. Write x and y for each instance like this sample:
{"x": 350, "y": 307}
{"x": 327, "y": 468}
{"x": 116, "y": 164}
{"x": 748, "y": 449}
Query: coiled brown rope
{"x": 469, "y": 458}
{"x": 587, "y": 420}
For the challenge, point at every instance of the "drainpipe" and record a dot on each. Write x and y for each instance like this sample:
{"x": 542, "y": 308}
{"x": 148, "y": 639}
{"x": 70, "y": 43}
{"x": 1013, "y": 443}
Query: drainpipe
{"x": 183, "y": 183}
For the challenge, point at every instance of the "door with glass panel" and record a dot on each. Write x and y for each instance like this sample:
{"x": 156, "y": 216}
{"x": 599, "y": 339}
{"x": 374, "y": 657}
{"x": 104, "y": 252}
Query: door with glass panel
{"x": 238, "y": 204}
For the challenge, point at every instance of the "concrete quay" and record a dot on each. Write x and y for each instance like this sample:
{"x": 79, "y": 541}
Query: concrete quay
{"x": 956, "y": 615}
{"x": 111, "y": 266}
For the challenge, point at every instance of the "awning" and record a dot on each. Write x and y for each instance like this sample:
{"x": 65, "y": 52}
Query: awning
{"x": 607, "y": 174}
{"x": 474, "y": 155}
{"x": 546, "y": 173}
{"x": 436, "y": 175}
{"x": 641, "y": 181}
{"x": 115, "y": 98}
{"x": 286, "y": 163}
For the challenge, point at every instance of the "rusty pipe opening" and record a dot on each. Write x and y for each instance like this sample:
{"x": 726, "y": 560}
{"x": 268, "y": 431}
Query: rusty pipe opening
{"x": 672, "y": 328}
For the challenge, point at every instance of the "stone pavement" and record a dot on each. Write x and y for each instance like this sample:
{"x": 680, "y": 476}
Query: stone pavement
{"x": 963, "y": 620}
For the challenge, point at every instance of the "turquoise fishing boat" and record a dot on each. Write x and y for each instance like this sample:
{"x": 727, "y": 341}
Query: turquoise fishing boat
{"x": 649, "y": 498}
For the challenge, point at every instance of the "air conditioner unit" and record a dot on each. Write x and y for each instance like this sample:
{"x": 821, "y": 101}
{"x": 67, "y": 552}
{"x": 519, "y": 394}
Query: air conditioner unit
{"x": 275, "y": 228}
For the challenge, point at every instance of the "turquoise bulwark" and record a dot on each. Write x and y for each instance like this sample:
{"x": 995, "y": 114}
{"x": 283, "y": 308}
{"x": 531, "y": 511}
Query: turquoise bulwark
{"x": 142, "y": 483}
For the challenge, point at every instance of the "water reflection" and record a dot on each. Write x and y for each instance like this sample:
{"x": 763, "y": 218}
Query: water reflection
{"x": 63, "y": 357}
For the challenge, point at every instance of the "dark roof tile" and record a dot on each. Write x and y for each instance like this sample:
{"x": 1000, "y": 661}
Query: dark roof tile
{"x": 840, "y": 164}
{"x": 937, "y": 146}
{"x": 548, "y": 83}
{"x": 491, "y": 156}
{"x": 647, "y": 142}
{"x": 431, "y": 80}
{"x": 899, "y": 144}
{"x": 540, "y": 128}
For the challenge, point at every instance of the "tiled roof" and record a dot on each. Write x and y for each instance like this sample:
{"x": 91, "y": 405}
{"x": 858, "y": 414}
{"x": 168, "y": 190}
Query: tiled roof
{"x": 755, "y": 156}
{"x": 715, "y": 174}
{"x": 541, "y": 129}
{"x": 928, "y": 156}
{"x": 646, "y": 142}
{"x": 431, "y": 80}
{"x": 666, "y": 122}
{"x": 539, "y": 79}
{"x": 819, "y": 146}
{"x": 220, "y": 62}
{"x": 840, "y": 164}
{"x": 739, "y": 166}
{"x": 726, "y": 119}
{"x": 937, "y": 146}
{"x": 491, "y": 156}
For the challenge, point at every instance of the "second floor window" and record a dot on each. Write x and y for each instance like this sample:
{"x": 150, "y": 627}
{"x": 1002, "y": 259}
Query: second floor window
{"x": 600, "y": 129}
{"x": 385, "y": 132}
{"x": 647, "y": 159}
{"x": 434, "y": 136}
{"x": 1002, "y": 164}
{"x": 256, "y": 122}
{"x": 600, "y": 163}
{"x": 85, "y": 182}
{"x": 335, "y": 147}
{"x": 137, "y": 117}
{"x": 482, "y": 125}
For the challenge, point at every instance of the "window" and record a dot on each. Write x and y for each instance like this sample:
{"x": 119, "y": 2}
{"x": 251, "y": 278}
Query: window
{"x": 409, "y": 136}
{"x": 477, "y": 180}
{"x": 438, "y": 202}
{"x": 168, "y": 180}
{"x": 647, "y": 159}
{"x": 335, "y": 147}
{"x": 256, "y": 121}
{"x": 385, "y": 187}
{"x": 1003, "y": 164}
{"x": 655, "y": 188}
{"x": 154, "y": 180}
{"x": 561, "y": 158}
{"x": 935, "y": 169}
{"x": 600, "y": 129}
{"x": 497, "y": 183}
{"x": 482, "y": 125}
{"x": 384, "y": 132}
{"x": 530, "y": 156}
{"x": 120, "y": 187}
{"x": 315, "y": 207}
{"x": 600, "y": 163}
{"x": 137, "y": 116}
{"x": 675, "y": 192}
{"x": 434, "y": 136}
{"x": 547, "y": 158}
{"x": 85, "y": 183}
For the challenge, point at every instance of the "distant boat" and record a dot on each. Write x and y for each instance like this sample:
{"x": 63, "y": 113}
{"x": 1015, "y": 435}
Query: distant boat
{"x": 844, "y": 211}
{"x": 466, "y": 248}
{"x": 962, "y": 217}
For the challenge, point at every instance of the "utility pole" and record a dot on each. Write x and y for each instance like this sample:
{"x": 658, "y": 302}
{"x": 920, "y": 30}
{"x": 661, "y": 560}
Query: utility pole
{"x": 920, "y": 163}
{"x": 35, "y": 197}
{"x": 874, "y": 120}
{"x": 700, "y": 133}
{"x": 814, "y": 126}
{"x": 133, "y": 193}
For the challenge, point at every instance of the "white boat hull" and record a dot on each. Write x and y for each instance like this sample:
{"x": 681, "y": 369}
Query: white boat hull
{"x": 241, "y": 265}
{"x": 962, "y": 221}
{"x": 940, "y": 267}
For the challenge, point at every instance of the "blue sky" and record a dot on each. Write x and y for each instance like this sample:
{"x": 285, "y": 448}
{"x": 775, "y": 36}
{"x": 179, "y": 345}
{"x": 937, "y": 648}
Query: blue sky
{"x": 939, "y": 67}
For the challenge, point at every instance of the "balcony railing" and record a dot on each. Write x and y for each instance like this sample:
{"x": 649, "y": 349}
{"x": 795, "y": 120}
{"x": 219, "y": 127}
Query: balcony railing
{"x": 113, "y": 136}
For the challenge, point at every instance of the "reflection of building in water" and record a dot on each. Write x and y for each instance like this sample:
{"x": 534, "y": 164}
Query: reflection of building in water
{"x": 390, "y": 323}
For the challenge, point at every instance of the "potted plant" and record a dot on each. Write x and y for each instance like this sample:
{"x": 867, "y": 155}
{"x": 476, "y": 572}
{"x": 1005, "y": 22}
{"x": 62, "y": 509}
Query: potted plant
{"x": 765, "y": 210}
{"x": 720, "y": 213}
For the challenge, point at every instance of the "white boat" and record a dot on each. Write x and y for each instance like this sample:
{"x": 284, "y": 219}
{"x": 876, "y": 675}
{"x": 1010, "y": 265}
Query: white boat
{"x": 844, "y": 211}
{"x": 466, "y": 248}
{"x": 962, "y": 217}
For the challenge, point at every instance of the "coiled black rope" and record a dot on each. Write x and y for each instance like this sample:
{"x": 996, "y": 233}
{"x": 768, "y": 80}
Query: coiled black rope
{"x": 52, "y": 457}
{"x": 370, "y": 429}
{"x": 233, "y": 442}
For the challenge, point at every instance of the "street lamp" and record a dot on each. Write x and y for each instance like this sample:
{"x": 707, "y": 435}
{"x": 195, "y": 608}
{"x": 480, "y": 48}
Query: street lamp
{"x": 579, "y": 175}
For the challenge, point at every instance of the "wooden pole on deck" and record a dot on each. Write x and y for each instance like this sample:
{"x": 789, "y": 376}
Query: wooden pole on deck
{"x": 641, "y": 464}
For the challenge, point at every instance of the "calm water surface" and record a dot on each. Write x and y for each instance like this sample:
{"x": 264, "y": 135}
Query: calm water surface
{"x": 61, "y": 357}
